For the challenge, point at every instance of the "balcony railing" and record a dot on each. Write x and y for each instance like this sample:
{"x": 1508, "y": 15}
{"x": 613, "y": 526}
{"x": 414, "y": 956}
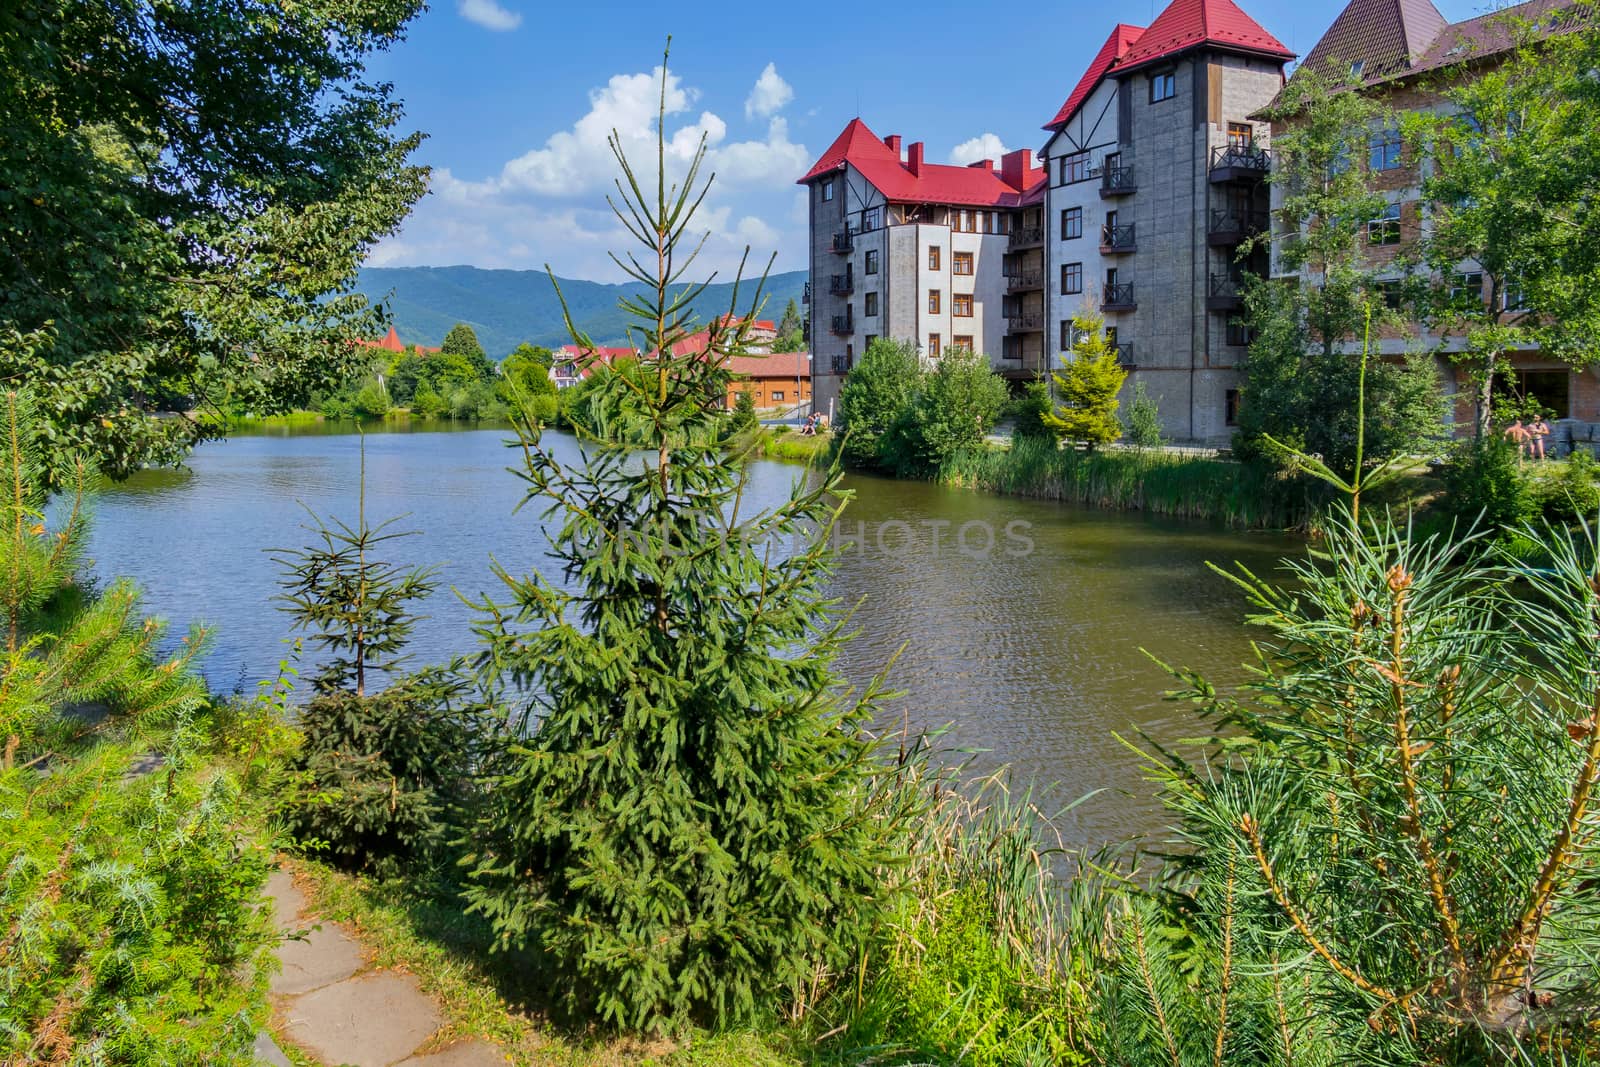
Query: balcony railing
{"x": 1117, "y": 180}
{"x": 1225, "y": 226}
{"x": 840, "y": 363}
{"x": 1222, "y": 292}
{"x": 1125, "y": 358}
{"x": 805, "y": 297}
{"x": 1024, "y": 279}
{"x": 843, "y": 324}
{"x": 842, "y": 284}
{"x": 1023, "y": 236}
{"x": 1118, "y": 297}
{"x": 844, "y": 242}
{"x": 1024, "y": 322}
{"x": 1116, "y": 240}
{"x": 1233, "y": 162}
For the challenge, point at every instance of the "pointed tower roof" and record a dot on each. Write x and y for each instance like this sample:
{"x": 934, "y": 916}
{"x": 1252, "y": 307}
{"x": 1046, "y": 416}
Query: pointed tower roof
{"x": 1383, "y": 36}
{"x": 1187, "y": 24}
{"x": 1117, "y": 45}
{"x": 856, "y": 142}
{"x": 391, "y": 341}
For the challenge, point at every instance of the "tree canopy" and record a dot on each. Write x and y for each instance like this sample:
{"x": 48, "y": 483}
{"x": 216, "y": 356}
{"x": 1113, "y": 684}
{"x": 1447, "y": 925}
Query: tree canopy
{"x": 186, "y": 192}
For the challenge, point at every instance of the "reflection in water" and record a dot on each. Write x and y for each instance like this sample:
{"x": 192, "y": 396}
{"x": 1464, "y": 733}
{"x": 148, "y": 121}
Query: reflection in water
{"x": 1033, "y": 657}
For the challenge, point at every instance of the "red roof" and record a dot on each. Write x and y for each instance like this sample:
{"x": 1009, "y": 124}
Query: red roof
{"x": 391, "y": 343}
{"x": 778, "y": 365}
{"x": 930, "y": 183}
{"x": 1186, "y": 24}
{"x": 1122, "y": 38}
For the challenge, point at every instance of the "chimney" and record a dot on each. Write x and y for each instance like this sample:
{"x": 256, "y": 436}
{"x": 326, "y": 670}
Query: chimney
{"x": 1014, "y": 167}
{"x": 914, "y": 158}
{"x": 983, "y": 164}
{"x": 893, "y": 141}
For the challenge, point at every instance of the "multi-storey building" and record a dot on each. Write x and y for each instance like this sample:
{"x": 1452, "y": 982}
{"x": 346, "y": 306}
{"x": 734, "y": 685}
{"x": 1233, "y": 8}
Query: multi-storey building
{"x": 1156, "y": 176}
{"x": 911, "y": 250}
{"x": 1401, "y": 52}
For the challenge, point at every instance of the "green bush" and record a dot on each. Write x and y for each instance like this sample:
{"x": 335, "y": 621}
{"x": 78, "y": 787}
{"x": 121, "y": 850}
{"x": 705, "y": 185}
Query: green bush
{"x": 1484, "y": 477}
{"x": 1028, "y": 411}
{"x": 951, "y": 410}
{"x": 1142, "y": 425}
{"x": 1572, "y": 494}
{"x": 878, "y": 389}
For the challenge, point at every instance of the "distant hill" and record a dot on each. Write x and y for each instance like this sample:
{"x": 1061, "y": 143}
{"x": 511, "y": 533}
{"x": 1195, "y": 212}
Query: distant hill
{"x": 508, "y": 307}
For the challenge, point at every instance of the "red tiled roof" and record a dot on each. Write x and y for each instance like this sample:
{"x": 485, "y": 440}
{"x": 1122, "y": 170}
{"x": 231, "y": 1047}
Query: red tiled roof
{"x": 1187, "y": 24}
{"x": 1122, "y": 38}
{"x": 777, "y": 365}
{"x": 933, "y": 183}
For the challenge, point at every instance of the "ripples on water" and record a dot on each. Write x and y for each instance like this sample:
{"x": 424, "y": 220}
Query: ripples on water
{"x": 1034, "y": 658}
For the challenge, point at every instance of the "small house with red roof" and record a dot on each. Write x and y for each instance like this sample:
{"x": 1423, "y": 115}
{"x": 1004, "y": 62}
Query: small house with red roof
{"x": 1156, "y": 177}
{"x": 905, "y": 248}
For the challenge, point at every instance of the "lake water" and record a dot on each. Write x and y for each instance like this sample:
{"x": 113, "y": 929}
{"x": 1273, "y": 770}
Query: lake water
{"x": 1028, "y": 647}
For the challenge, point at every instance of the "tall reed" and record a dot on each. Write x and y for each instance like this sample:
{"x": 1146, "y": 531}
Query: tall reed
{"x": 1158, "y": 482}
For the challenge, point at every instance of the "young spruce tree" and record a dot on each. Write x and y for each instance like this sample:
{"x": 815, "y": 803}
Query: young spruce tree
{"x": 686, "y": 833}
{"x": 1088, "y": 384}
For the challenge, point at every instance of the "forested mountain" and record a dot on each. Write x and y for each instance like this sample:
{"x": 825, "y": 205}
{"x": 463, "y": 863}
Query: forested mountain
{"x": 508, "y": 307}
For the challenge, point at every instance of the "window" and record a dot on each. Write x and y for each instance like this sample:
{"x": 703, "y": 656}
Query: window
{"x": 871, "y": 218}
{"x": 1066, "y": 335}
{"x": 1356, "y": 68}
{"x": 871, "y": 308}
{"x": 871, "y": 337}
{"x": 1241, "y": 135}
{"x": 933, "y": 301}
{"x": 1392, "y": 295}
{"x": 1340, "y": 162}
{"x": 872, "y": 261}
{"x": 1383, "y": 149}
{"x": 980, "y": 222}
{"x": 1111, "y": 336}
{"x": 961, "y": 305}
{"x": 1238, "y": 333}
{"x": 827, "y": 189}
{"x": 1071, "y": 223}
{"x": 961, "y": 262}
{"x": 1071, "y": 278}
{"x": 963, "y": 221}
{"x": 1512, "y": 297}
{"x": 1074, "y": 168}
{"x": 777, "y": 394}
{"x": 1163, "y": 86}
{"x": 962, "y": 340}
{"x": 1466, "y": 289}
{"x": 933, "y": 257}
{"x": 849, "y": 355}
{"x": 933, "y": 345}
{"x": 1230, "y": 408}
{"x": 1111, "y": 278}
{"x": 1385, "y": 229}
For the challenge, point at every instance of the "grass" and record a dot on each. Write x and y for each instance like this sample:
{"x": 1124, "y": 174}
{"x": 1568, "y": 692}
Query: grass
{"x": 781, "y": 443}
{"x": 1161, "y": 483}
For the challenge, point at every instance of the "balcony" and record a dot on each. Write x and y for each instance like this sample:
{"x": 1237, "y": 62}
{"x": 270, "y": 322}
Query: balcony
{"x": 843, "y": 325}
{"x": 842, "y": 284}
{"x": 1117, "y": 240}
{"x": 1118, "y": 297}
{"x": 1239, "y": 162}
{"x": 1026, "y": 236}
{"x": 1117, "y": 181}
{"x": 1025, "y": 322}
{"x": 805, "y": 297}
{"x": 1226, "y": 228}
{"x": 844, "y": 242}
{"x": 1125, "y": 356}
{"x": 1222, "y": 292}
{"x": 1017, "y": 281}
{"x": 840, "y": 363}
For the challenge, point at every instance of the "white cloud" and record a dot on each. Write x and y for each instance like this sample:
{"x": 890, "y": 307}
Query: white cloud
{"x": 490, "y": 15}
{"x": 984, "y": 146}
{"x": 769, "y": 94}
{"x": 548, "y": 203}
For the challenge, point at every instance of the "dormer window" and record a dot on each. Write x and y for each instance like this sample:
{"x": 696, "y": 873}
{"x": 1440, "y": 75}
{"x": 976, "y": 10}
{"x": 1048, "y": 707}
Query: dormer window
{"x": 1356, "y": 68}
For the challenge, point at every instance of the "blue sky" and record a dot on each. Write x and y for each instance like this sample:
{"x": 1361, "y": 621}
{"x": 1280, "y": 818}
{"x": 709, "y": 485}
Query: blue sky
{"x": 517, "y": 97}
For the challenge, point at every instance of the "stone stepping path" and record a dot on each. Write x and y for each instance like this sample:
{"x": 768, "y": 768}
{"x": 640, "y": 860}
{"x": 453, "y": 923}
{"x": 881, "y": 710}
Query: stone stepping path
{"x": 331, "y": 1004}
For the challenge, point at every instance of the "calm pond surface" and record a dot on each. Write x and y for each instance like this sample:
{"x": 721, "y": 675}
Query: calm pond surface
{"x": 1030, "y": 649}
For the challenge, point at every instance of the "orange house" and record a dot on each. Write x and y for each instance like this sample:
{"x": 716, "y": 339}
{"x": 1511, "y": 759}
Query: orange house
{"x": 779, "y": 380}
